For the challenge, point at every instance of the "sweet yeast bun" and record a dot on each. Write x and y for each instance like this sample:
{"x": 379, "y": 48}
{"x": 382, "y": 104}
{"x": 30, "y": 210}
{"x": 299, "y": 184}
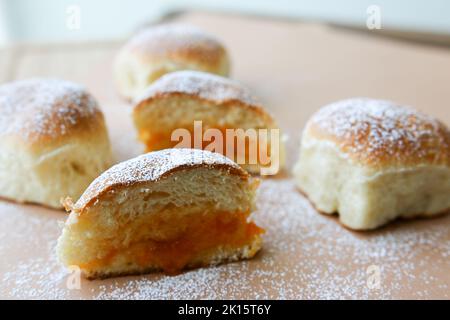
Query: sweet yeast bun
{"x": 158, "y": 50}
{"x": 166, "y": 210}
{"x": 178, "y": 99}
{"x": 373, "y": 161}
{"x": 53, "y": 141}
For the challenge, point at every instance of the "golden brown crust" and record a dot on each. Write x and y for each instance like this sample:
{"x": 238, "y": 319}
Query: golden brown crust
{"x": 380, "y": 133}
{"x": 178, "y": 43}
{"x": 40, "y": 111}
{"x": 152, "y": 167}
{"x": 202, "y": 86}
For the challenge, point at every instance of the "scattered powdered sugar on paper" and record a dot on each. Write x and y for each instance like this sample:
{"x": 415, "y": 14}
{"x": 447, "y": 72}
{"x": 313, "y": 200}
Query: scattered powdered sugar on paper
{"x": 39, "y": 278}
{"x": 306, "y": 255}
{"x": 374, "y": 131}
{"x": 24, "y": 232}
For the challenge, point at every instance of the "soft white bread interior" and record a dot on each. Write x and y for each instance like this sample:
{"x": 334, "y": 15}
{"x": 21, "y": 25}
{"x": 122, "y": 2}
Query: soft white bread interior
{"x": 53, "y": 141}
{"x": 166, "y": 210}
{"x": 373, "y": 161}
{"x": 177, "y": 100}
{"x": 158, "y": 50}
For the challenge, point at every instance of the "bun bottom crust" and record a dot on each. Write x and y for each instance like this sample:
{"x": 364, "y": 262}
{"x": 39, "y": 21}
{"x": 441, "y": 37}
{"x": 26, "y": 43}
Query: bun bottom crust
{"x": 366, "y": 198}
{"x": 336, "y": 214}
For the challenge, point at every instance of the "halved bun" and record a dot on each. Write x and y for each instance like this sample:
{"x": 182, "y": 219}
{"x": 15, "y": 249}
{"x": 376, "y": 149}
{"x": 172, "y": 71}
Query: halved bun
{"x": 166, "y": 210}
{"x": 53, "y": 141}
{"x": 178, "y": 99}
{"x": 158, "y": 50}
{"x": 373, "y": 161}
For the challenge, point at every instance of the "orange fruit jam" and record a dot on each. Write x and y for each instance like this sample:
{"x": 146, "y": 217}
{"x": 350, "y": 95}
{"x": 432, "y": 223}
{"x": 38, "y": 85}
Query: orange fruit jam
{"x": 162, "y": 140}
{"x": 204, "y": 235}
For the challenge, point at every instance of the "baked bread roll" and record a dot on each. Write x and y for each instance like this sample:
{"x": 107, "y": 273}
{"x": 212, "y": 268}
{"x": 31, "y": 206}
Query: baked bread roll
{"x": 158, "y": 50}
{"x": 178, "y": 99}
{"x": 166, "y": 210}
{"x": 53, "y": 141}
{"x": 373, "y": 161}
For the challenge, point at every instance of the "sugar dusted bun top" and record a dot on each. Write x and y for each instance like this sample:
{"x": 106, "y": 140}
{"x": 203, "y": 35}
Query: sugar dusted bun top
{"x": 177, "y": 41}
{"x": 381, "y": 133}
{"x": 153, "y": 166}
{"x": 43, "y": 110}
{"x": 202, "y": 85}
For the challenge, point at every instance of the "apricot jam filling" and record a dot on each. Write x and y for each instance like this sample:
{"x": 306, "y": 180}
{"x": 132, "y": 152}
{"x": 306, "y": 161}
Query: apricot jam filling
{"x": 162, "y": 140}
{"x": 204, "y": 234}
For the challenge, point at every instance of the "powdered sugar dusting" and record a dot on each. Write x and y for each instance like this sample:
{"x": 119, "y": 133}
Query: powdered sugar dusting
{"x": 204, "y": 85}
{"x": 376, "y": 131}
{"x": 172, "y": 40}
{"x": 26, "y": 230}
{"x": 305, "y": 255}
{"x": 152, "y": 166}
{"x": 38, "y": 108}
{"x": 309, "y": 256}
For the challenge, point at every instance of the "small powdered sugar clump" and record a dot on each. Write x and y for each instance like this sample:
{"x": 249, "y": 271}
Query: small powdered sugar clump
{"x": 39, "y": 108}
{"x": 204, "y": 85}
{"x": 378, "y": 131}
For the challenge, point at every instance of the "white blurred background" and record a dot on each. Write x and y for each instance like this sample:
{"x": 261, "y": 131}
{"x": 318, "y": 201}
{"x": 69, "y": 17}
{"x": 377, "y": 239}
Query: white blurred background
{"x": 50, "y": 20}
